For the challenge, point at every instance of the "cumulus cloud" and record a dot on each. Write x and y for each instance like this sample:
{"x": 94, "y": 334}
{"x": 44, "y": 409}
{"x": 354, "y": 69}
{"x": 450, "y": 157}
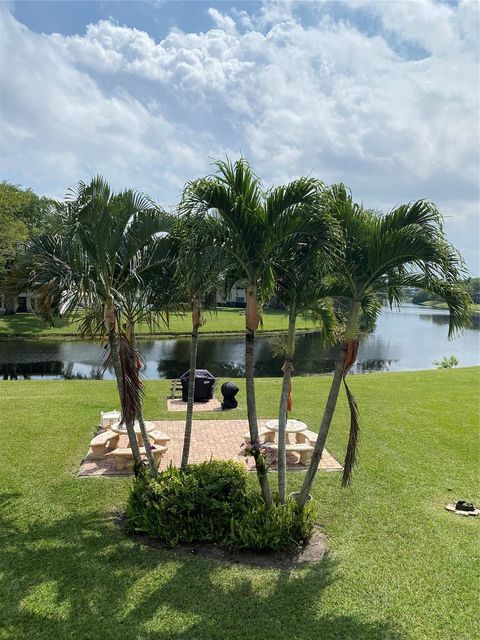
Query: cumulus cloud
{"x": 295, "y": 95}
{"x": 58, "y": 125}
{"x": 222, "y": 21}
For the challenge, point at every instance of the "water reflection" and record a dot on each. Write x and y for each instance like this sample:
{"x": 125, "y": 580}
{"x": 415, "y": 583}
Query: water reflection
{"x": 442, "y": 318}
{"x": 411, "y": 339}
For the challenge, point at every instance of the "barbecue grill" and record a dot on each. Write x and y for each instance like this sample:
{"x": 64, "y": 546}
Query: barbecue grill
{"x": 204, "y": 385}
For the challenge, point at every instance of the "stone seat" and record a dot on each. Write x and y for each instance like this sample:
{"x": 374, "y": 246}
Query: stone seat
{"x": 107, "y": 418}
{"x": 305, "y": 450}
{"x": 159, "y": 437}
{"x": 123, "y": 457}
{"x": 262, "y": 431}
{"x": 306, "y": 436}
{"x": 102, "y": 442}
{"x": 174, "y": 387}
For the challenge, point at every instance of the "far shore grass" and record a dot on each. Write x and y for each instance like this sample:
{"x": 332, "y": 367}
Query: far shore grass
{"x": 399, "y": 566}
{"x": 437, "y": 304}
{"x": 222, "y": 321}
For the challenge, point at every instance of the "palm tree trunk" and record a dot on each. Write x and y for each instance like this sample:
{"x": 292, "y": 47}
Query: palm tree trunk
{"x": 140, "y": 418}
{"x": 146, "y": 443}
{"x": 191, "y": 394}
{"x": 282, "y": 414}
{"x": 252, "y": 417}
{"x": 117, "y": 367}
{"x": 350, "y": 332}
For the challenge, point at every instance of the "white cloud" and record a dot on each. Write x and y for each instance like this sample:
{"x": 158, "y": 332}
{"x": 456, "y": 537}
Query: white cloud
{"x": 292, "y": 96}
{"x": 222, "y": 21}
{"x": 58, "y": 125}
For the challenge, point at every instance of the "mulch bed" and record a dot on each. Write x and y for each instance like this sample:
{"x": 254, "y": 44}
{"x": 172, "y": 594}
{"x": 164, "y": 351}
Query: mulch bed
{"x": 313, "y": 551}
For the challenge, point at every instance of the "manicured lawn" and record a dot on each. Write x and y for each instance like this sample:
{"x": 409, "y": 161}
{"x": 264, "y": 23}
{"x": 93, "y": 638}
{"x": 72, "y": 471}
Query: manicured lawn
{"x": 400, "y": 567}
{"x": 223, "y": 320}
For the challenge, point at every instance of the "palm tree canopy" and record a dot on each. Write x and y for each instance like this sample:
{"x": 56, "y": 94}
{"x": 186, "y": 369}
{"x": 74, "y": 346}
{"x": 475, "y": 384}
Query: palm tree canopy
{"x": 109, "y": 244}
{"x": 405, "y": 247}
{"x": 256, "y": 226}
{"x": 201, "y": 263}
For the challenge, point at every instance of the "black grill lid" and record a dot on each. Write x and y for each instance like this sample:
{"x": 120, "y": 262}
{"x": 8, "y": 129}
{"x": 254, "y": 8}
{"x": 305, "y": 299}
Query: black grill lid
{"x": 199, "y": 375}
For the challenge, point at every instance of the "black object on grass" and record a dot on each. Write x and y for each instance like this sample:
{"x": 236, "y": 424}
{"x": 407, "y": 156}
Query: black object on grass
{"x": 229, "y": 391}
{"x": 462, "y": 505}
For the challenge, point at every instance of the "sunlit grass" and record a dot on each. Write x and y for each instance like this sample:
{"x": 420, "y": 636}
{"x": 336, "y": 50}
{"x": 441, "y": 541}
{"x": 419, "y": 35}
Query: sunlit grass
{"x": 400, "y": 566}
{"x": 221, "y": 320}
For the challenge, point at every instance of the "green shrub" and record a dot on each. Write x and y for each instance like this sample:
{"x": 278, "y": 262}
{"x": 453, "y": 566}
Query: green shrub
{"x": 194, "y": 505}
{"x": 447, "y": 363}
{"x": 282, "y": 527}
{"x": 210, "y": 502}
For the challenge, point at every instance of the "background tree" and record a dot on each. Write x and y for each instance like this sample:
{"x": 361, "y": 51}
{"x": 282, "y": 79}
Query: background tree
{"x": 23, "y": 215}
{"x": 473, "y": 287}
{"x": 406, "y": 247}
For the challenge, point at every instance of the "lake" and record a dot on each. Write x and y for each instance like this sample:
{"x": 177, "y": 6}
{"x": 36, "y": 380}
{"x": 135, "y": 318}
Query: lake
{"x": 409, "y": 339}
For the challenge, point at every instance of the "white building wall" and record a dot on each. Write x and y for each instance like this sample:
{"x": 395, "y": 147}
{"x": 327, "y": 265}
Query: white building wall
{"x": 23, "y": 300}
{"x": 236, "y": 295}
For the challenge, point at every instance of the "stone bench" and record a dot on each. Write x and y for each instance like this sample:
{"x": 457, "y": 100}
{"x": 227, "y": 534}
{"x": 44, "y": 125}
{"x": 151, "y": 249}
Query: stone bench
{"x": 174, "y": 387}
{"x": 101, "y": 443}
{"x": 305, "y": 450}
{"x": 306, "y": 436}
{"x": 107, "y": 418}
{"x": 123, "y": 457}
{"x": 262, "y": 431}
{"x": 159, "y": 438}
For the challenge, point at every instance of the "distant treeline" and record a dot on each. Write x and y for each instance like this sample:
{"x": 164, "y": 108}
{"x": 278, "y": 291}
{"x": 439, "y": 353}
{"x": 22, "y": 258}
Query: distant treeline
{"x": 472, "y": 285}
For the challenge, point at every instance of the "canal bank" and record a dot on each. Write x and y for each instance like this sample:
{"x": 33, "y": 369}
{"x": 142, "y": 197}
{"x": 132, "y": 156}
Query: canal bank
{"x": 410, "y": 339}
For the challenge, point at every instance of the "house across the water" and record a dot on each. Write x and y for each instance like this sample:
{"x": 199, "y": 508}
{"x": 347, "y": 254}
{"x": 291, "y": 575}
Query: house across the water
{"x": 19, "y": 303}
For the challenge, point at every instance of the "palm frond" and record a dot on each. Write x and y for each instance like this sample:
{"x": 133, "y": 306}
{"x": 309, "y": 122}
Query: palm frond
{"x": 132, "y": 387}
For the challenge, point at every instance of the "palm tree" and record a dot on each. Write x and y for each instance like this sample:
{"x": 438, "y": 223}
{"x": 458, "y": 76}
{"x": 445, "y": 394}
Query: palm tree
{"x": 299, "y": 288}
{"x": 199, "y": 267}
{"x": 109, "y": 240}
{"x": 383, "y": 253}
{"x": 255, "y": 228}
{"x": 140, "y": 302}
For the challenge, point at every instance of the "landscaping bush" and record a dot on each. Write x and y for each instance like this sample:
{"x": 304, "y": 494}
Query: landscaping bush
{"x": 281, "y": 527}
{"x": 192, "y": 505}
{"x": 210, "y": 502}
{"x": 447, "y": 363}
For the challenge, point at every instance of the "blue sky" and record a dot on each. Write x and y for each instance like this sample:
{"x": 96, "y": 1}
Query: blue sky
{"x": 156, "y": 18}
{"x": 380, "y": 95}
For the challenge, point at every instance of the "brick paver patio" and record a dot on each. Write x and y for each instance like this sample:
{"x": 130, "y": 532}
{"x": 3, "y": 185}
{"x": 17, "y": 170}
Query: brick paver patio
{"x": 219, "y": 439}
{"x": 176, "y": 404}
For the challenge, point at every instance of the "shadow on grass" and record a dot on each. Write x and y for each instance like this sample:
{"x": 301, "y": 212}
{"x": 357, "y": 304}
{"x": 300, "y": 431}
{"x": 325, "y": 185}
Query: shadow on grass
{"x": 28, "y": 324}
{"x": 80, "y": 577}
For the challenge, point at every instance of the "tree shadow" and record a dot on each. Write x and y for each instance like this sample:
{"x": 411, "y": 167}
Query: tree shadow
{"x": 80, "y": 577}
{"x": 30, "y": 325}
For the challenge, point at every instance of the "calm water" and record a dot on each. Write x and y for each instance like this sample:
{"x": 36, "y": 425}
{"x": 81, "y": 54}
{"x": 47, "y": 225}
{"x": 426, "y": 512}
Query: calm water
{"x": 410, "y": 339}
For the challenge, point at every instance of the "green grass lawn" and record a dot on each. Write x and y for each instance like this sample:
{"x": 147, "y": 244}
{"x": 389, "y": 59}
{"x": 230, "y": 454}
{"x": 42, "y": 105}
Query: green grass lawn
{"x": 223, "y": 320}
{"x": 399, "y": 567}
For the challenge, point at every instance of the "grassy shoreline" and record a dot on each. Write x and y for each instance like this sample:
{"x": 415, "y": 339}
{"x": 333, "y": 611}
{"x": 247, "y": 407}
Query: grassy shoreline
{"x": 150, "y": 336}
{"x": 226, "y": 321}
{"x": 437, "y": 304}
{"x": 399, "y": 567}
